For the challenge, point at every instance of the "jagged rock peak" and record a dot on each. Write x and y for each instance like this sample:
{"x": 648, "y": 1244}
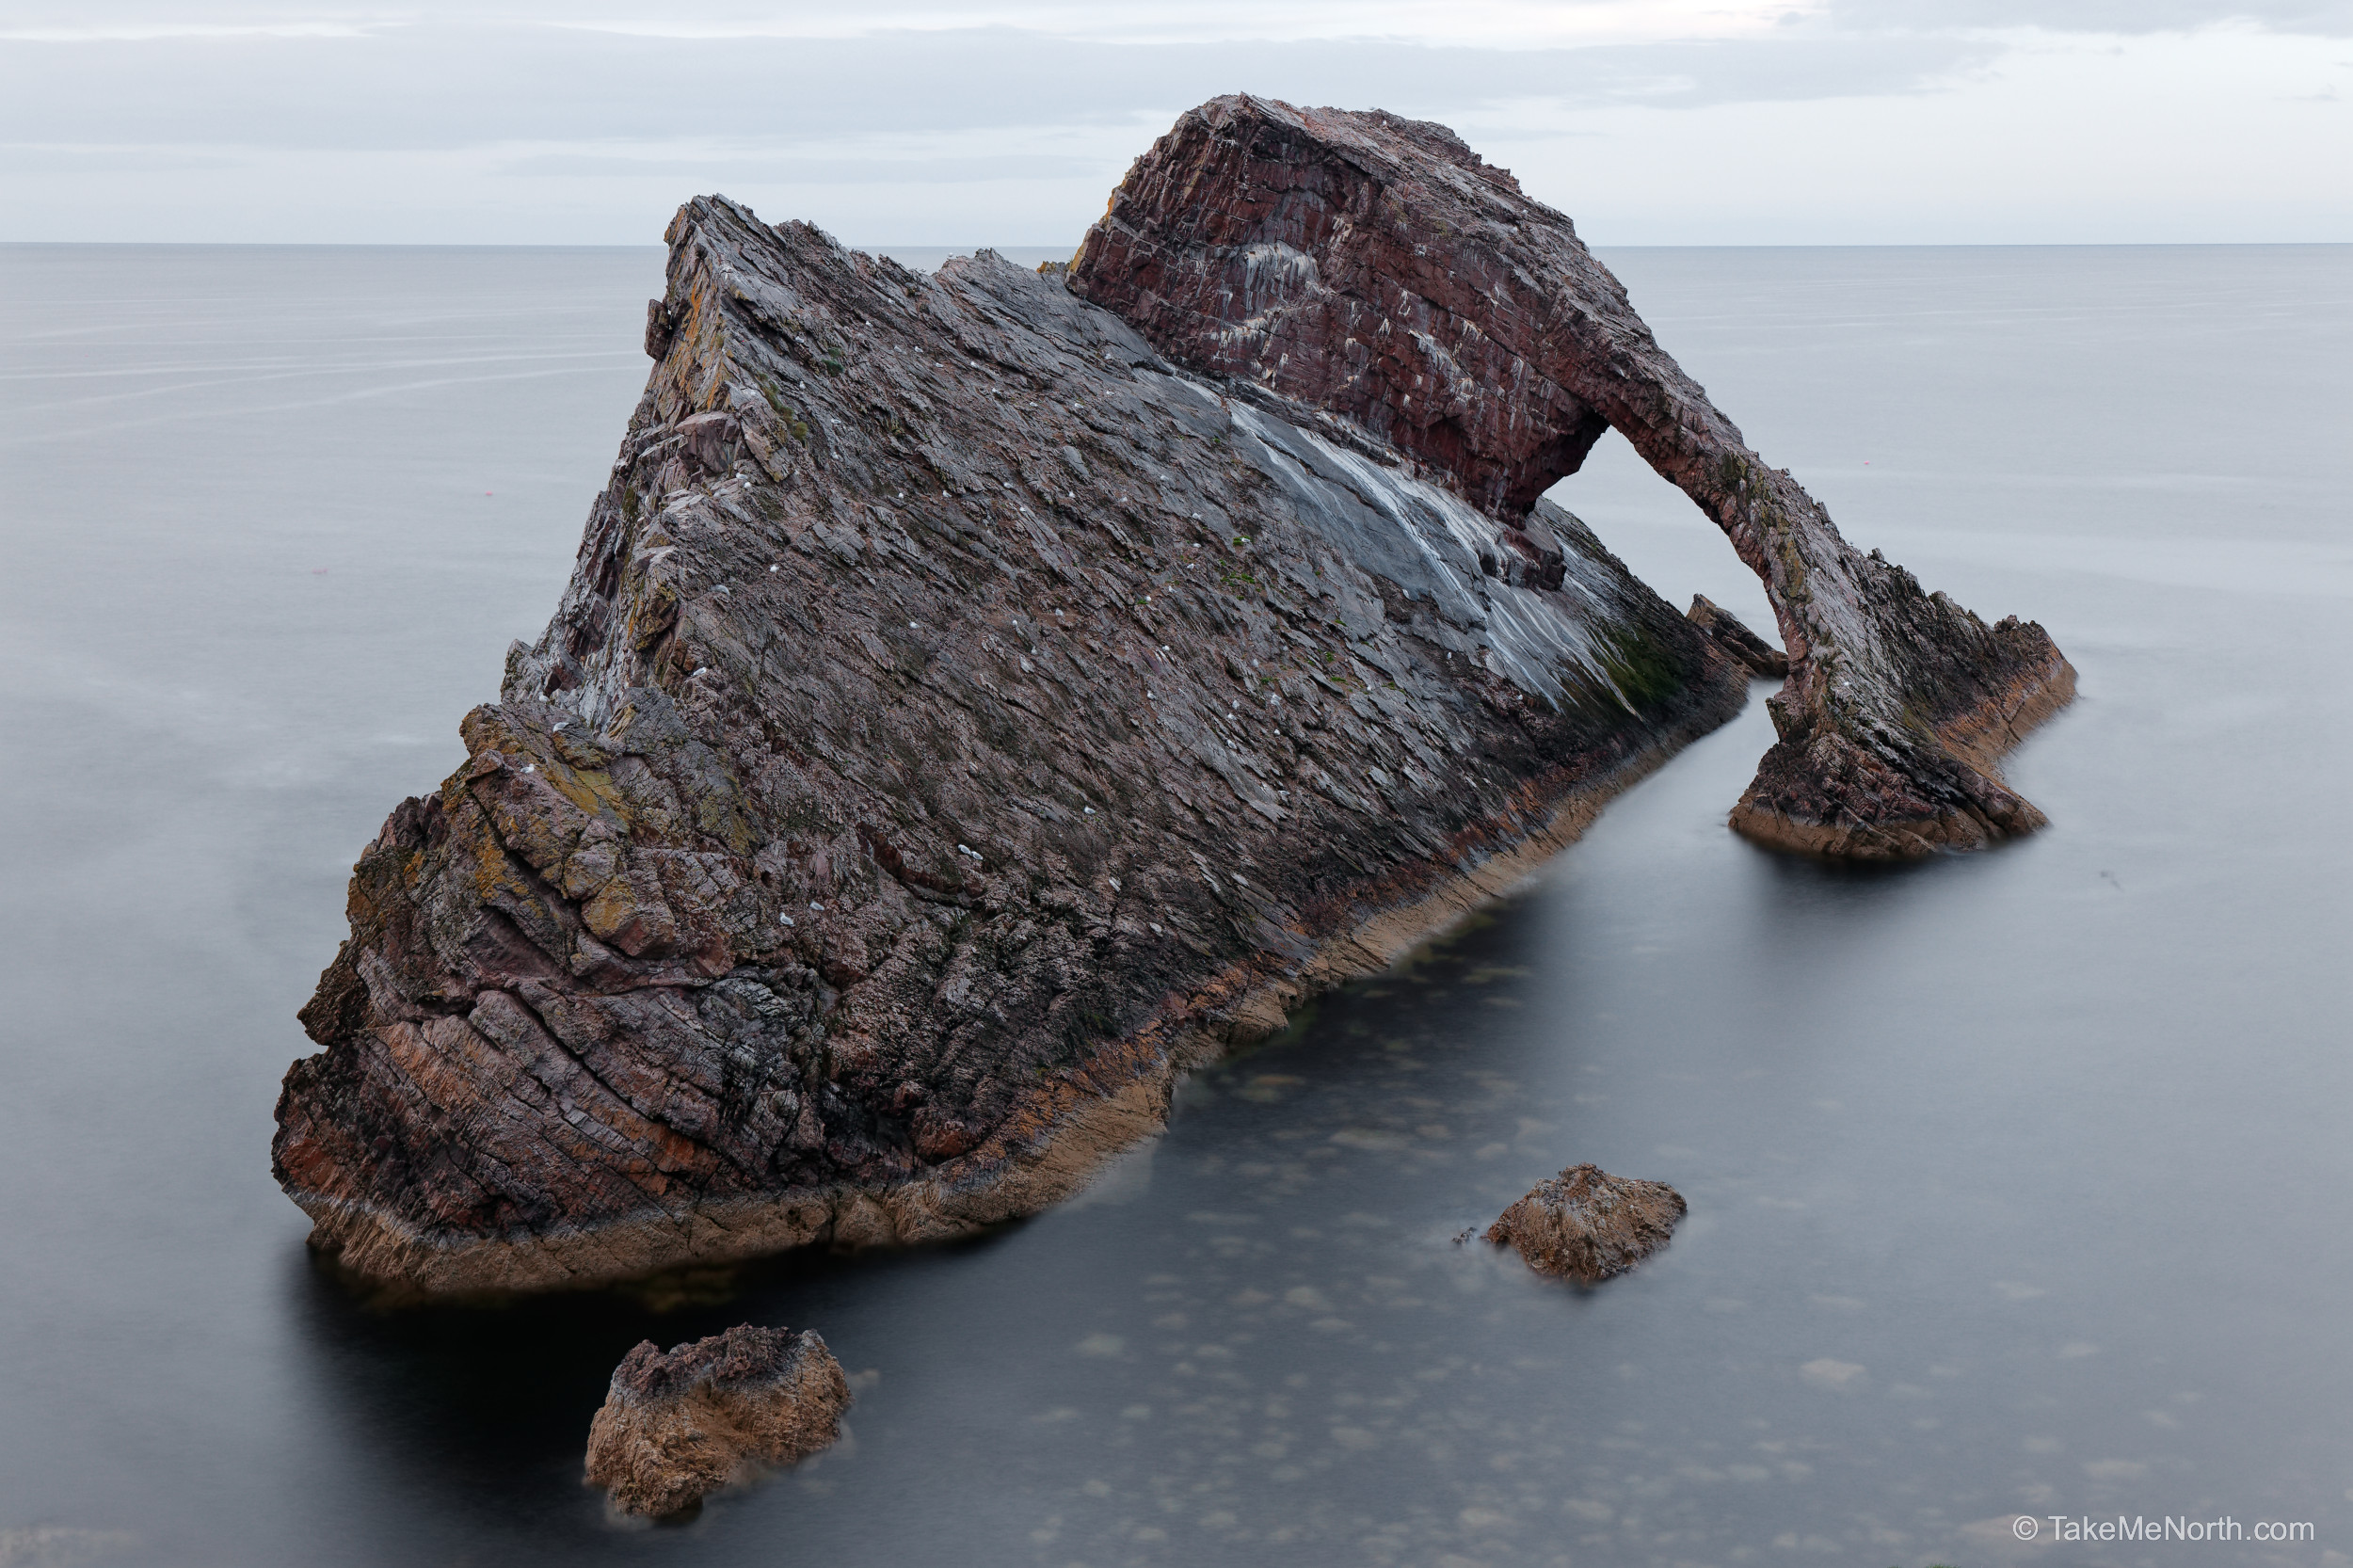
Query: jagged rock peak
{"x": 1374, "y": 267}
{"x": 1733, "y": 635}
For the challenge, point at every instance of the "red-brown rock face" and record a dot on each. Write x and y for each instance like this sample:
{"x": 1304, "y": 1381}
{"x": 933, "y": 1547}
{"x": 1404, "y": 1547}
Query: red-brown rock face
{"x": 1375, "y": 267}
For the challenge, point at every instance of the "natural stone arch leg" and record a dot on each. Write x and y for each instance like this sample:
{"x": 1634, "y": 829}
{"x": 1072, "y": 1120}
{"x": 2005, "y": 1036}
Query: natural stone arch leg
{"x": 1375, "y": 267}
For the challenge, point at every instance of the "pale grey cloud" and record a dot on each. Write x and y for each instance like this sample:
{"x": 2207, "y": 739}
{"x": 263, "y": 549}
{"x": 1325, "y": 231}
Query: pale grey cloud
{"x": 1513, "y": 23}
{"x": 2314, "y": 18}
{"x": 903, "y": 120}
{"x": 737, "y": 171}
{"x": 1500, "y": 24}
{"x": 90, "y": 162}
{"x": 469, "y": 84}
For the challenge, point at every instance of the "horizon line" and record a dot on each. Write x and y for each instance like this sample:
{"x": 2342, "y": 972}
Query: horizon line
{"x": 870, "y": 248}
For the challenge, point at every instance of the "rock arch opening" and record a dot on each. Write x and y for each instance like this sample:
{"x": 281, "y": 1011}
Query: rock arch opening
{"x": 1431, "y": 301}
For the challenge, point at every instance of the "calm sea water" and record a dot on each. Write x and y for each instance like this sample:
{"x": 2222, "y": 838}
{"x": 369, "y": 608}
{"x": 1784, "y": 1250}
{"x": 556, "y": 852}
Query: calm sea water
{"x": 2019, "y": 1183}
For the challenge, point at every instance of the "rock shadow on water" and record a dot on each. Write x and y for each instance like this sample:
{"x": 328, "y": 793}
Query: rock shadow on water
{"x": 1794, "y": 887}
{"x": 471, "y": 1414}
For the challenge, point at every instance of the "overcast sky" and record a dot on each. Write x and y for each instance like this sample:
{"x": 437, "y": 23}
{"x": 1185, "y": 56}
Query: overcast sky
{"x": 1648, "y": 122}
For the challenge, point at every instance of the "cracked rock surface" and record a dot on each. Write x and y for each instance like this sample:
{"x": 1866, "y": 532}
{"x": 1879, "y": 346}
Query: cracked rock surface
{"x": 959, "y": 720}
{"x": 1588, "y": 1226}
{"x": 678, "y": 1425}
{"x": 1377, "y": 268}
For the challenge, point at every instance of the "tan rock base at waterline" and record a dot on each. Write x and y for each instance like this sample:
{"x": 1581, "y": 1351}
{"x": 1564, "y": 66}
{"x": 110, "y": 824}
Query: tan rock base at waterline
{"x": 380, "y": 1255}
{"x": 1070, "y": 1130}
{"x": 1980, "y": 739}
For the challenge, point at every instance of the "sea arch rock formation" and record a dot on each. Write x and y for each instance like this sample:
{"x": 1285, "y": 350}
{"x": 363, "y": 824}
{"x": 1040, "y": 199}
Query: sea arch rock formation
{"x": 1376, "y": 267}
{"x": 959, "y": 720}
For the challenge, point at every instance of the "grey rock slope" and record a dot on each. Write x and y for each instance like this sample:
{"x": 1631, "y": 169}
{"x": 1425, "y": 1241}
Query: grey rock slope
{"x": 958, "y": 721}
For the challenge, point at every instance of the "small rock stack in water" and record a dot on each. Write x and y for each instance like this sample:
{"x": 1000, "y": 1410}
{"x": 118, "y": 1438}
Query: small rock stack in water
{"x": 678, "y": 1426}
{"x": 1588, "y": 1226}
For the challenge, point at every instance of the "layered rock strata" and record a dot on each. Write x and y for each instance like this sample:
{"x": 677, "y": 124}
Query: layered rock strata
{"x": 1376, "y": 267}
{"x": 676, "y": 1426}
{"x": 1588, "y": 1226}
{"x": 959, "y": 720}
{"x": 1733, "y": 635}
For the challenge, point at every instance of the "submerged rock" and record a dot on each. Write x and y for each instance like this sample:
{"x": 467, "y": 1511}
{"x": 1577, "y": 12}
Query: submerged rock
{"x": 960, "y": 720}
{"x": 1733, "y": 635}
{"x": 676, "y": 1426}
{"x": 1375, "y": 267}
{"x": 1588, "y": 1226}
{"x": 61, "y": 1546}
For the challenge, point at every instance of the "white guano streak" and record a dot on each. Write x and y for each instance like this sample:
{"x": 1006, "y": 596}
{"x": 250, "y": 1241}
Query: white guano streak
{"x": 1530, "y": 635}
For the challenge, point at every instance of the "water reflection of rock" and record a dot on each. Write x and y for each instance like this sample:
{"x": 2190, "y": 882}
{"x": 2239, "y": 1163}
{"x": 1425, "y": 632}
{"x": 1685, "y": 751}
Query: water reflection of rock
{"x": 467, "y": 1420}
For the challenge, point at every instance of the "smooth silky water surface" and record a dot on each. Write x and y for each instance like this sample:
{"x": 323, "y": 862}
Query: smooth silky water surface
{"x": 2019, "y": 1182}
